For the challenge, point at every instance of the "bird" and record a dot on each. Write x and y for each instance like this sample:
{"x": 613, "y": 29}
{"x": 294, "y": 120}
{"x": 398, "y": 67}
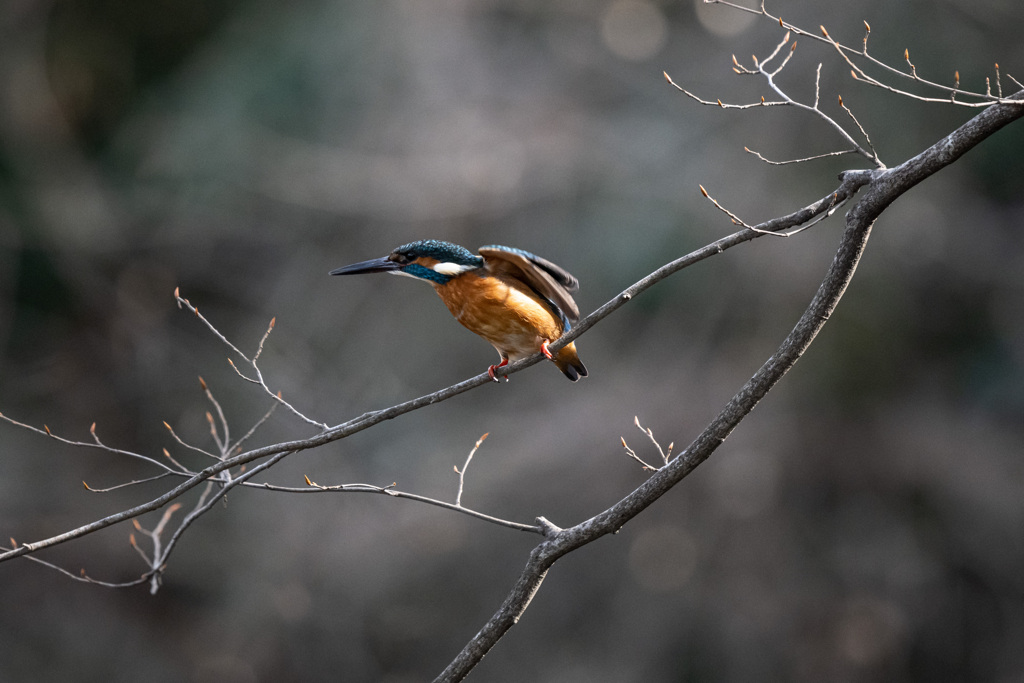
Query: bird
{"x": 517, "y": 301}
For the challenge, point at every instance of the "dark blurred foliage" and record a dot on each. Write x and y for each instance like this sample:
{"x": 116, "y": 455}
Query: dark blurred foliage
{"x": 865, "y": 523}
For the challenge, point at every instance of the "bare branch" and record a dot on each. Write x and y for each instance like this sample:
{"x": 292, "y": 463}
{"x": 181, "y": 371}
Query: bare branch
{"x": 134, "y": 482}
{"x": 850, "y": 183}
{"x": 719, "y": 103}
{"x": 883, "y": 189}
{"x": 736, "y": 220}
{"x": 864, "y": 133}
{"x": 631, "y": 453}
{"x": 462, "y": 473}
{"x": 189, "y": 446}
{"x": 395, "y": 493}
{"x": 985, "y": 99}
{"x": 237, "y": 446}
{"x": 81, "y": 576}
{"x": 251, "y": 361}
{"x": 769, "y": 76}
{"x": 83, "y": 444}
{"x": 221, "y": 443}
{"x": 799, "y": 161}
{"x": 650, "y": 435}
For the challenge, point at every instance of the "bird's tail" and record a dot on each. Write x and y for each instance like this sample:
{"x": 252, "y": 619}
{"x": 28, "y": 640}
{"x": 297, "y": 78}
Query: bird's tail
{"x": 568, "y": 361}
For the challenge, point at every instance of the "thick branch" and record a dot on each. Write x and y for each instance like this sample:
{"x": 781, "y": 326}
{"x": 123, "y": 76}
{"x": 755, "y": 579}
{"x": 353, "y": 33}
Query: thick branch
{"x": 884, "y": 188}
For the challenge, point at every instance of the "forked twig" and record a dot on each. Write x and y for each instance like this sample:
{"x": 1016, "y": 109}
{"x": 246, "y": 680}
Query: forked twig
{"x": 251, "y": 361}
{"x": 666, "y": 454}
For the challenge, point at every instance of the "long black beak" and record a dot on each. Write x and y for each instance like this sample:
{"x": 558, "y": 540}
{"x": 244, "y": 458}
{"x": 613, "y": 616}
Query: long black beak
{"x": 377, "y": 265}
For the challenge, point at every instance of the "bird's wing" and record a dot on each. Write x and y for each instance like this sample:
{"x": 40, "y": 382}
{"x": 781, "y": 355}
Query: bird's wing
{"x": 549, "y": 280}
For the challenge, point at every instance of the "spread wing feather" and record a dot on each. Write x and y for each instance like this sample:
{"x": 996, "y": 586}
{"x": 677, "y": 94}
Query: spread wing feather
{"x": 552, "y": 282}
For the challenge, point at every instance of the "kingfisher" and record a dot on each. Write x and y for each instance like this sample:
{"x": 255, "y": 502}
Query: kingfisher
{"x": 517, "y": 301}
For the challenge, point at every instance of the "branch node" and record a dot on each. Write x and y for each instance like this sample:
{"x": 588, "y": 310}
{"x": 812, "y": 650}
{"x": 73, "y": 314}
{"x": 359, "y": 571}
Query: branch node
{"x": 547, "y": 528}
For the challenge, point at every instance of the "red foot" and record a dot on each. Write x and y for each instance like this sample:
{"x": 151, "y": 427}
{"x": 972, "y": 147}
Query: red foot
{"x": 544, "y": 349}
{"x": 490, "y": 370}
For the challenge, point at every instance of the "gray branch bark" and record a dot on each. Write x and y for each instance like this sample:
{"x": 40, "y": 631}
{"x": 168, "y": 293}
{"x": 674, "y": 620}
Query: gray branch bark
{"x": 880, "y": 189}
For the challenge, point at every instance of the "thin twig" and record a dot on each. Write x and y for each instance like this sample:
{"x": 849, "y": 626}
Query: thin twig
{"x": 134, "y": 482}
{"x": 189, "y": 446}
{"x": 462, "y": 473}
{"x": 251, "y": 361}
{"x": 631, "y": 453}
{"x": 799, "y": 161}
{"x": 45, "y": 431}
{"x": 222, "y": 444}
{"x": 259, "y": 423}
{"x": 81, "y": 576}
{"x": 395, "y": 493}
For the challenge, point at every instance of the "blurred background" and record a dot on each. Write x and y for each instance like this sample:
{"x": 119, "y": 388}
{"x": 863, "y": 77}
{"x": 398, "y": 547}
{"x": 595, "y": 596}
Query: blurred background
{"x": 866, "y": 522}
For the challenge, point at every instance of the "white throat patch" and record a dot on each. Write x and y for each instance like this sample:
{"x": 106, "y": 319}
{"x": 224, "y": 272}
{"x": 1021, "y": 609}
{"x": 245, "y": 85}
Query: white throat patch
{"x": 451, "y": 269}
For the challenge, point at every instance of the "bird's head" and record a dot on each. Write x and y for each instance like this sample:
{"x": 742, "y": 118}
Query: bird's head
{"x": 431, "y": 260}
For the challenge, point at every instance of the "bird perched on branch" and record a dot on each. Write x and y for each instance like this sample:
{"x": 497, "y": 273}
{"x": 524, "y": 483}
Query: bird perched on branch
{"x": 517, "y": 301}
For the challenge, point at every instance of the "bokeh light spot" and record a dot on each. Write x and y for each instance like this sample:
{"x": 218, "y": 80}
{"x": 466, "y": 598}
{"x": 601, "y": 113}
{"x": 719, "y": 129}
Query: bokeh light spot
{"x": 633, "y": 29}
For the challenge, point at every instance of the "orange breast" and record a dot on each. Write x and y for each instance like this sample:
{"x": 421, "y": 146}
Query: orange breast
{"x": 504, "y": 312}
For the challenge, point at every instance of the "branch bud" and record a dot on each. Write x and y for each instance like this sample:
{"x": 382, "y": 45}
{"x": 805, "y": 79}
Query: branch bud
{"x": 825, "y": 33}
{"x": 867, "y": 27}
{"x": 168, "y": 427}
{"x": 854, "y": 74}
{"x": 273, "y": 321}
{"x": 47, "y": 430}
{"x": 703, "y": 191}
{"x": 92, "y": 429}
{"x": 840, "y": 104}
{"x": 135, "y": 523}
{"x": 308, "y": 482}
{"x": 202, "y": 383}
{"x": 780, "y": 23}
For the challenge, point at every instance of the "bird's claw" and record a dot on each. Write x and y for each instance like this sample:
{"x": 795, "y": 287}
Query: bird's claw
{"x": 490, "y": 370}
